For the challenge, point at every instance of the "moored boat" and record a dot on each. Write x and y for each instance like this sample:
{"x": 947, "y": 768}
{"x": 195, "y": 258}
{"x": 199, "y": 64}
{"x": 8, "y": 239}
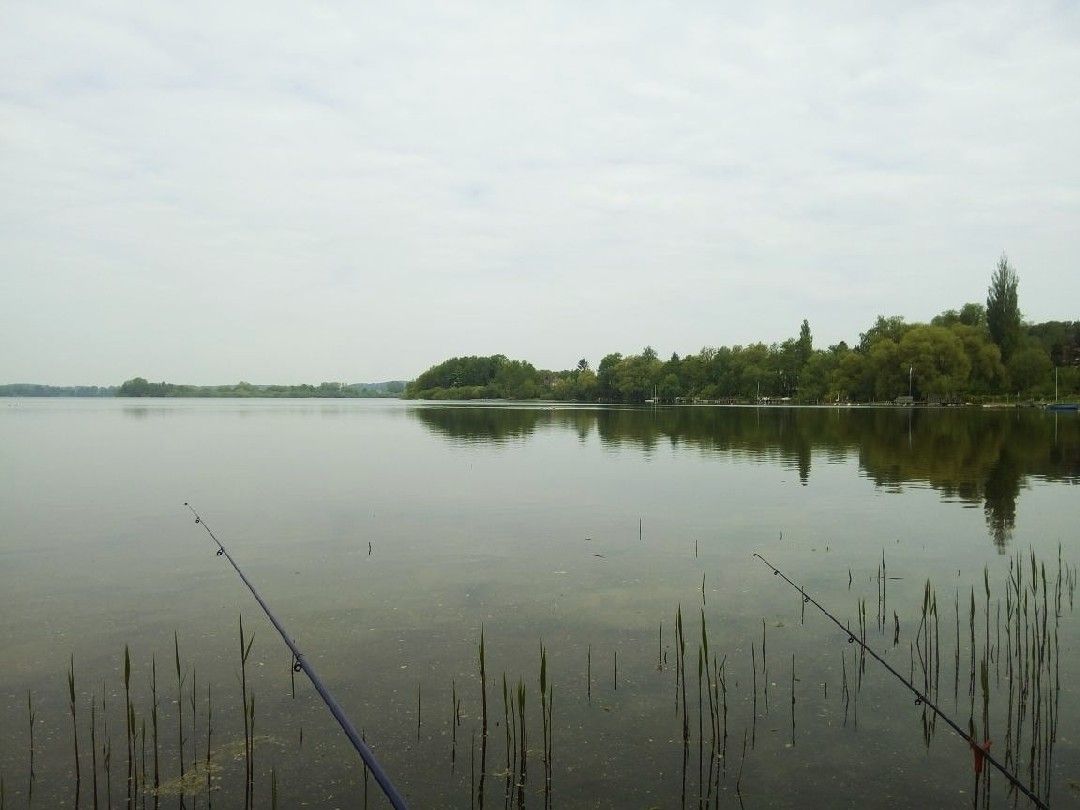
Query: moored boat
{"x": 1057, "y": 405}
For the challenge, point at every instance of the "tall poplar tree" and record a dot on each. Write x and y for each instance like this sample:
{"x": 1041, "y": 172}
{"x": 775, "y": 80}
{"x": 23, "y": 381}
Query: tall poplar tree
{"x": 1002, "y": 309}
{"x": 805, "y": 345}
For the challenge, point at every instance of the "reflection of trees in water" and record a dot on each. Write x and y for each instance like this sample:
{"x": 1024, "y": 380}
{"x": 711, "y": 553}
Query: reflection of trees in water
{"x": 975, "y": 456}
{"x": 479, "y": 424}
{"x": 1001, "y": 489}
{"x": 773, "y": 434}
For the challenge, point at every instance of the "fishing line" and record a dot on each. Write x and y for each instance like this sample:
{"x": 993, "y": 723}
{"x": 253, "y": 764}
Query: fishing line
{"x": 300, "y": 664}
{"x": 920, "y": 697}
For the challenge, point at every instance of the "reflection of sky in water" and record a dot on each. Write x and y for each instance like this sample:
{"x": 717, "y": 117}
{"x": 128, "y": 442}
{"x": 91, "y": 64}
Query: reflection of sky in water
{"x": 497, "y": 515}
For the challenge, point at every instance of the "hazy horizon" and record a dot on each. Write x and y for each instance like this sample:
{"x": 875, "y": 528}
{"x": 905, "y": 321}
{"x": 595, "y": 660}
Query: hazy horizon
{"x": 298, "y": 192}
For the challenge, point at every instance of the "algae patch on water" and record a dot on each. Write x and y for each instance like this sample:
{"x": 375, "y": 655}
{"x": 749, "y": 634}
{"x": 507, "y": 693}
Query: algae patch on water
{"x": 194, "y": 781}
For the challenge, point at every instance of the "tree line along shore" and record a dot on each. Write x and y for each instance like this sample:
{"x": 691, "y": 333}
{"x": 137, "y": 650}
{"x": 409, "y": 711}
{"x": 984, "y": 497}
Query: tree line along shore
{"x": 977, "y": 353}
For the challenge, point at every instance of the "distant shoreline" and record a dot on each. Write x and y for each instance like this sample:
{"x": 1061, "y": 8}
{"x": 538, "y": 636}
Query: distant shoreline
{"x": 139, "y": 387}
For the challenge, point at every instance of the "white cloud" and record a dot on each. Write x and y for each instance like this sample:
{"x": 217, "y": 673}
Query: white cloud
{"x": 286, "y": 192}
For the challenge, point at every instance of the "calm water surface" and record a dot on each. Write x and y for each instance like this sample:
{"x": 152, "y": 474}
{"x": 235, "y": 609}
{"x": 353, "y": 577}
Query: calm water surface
{"x": 386, "y": 533}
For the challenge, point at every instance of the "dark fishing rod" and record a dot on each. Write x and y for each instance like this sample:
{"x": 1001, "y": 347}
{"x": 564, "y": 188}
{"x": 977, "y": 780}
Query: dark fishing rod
{"x": 300, "y": 664}
{"x": 920, "y": 697}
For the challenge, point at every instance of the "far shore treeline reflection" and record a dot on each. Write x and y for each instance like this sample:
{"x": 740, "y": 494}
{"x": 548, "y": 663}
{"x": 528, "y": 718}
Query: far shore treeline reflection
{"x": 979, "y": 457}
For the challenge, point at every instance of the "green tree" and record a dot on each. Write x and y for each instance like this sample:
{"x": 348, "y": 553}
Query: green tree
{"x": 851, "y": 379}
{"x": 987, "y": 371}
{"x": 135, "y": 387}
{"x": 636, "y": 376}
{"x": 973, "y": 315}
{"x": 937, "y": 355}
{"x": 605, "y": 376}
{"x": 891, "y": 328}
{"x": 816, "y": 382}
{"x": 1060, "y": 340}
{"x": 889, "y": 374}
{"x": 669, "y": 388}
{"x": 584, "y": 389}
{"x": 968, "y": 315}
{"x": 1002, "y": 307}
{"x": 751, "y": 371}
{"x": 805, "y": 344}
{"x": 947, "y": 318}
{"x": 1030, "y": 368}
{"x": 694, "y": 371}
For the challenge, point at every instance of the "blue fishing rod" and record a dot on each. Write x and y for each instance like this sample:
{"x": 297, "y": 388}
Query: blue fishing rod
{"x": 300, "y": 664}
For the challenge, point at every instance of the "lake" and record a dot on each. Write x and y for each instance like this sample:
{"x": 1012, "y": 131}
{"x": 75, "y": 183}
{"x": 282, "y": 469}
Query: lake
{"x": 385, "y": 534}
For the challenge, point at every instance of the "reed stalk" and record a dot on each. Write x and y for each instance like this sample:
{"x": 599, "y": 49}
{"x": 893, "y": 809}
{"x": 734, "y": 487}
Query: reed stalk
{"x": 245, "y": 651}
{"x": 106, "y": 748}
{"x": 142, "y": 762}
{"x": 367, "y": 770}
{"x": 543, "y": 697}
{"x": 483, "y": 685}
{"x": 453, "y": 722}
{"x": 128, "y": 738}
{"x": 93, "y": 749}
{"x": 32, "y": 715}
{"x": 986, "y": 587}
{"x": 523, "y": 748}
{"x": 722, "y": 681}
{"x": 709, "y": 687}
{"x": 180, "y": 712}
{"x": 506, "y": 720}
{"x": 74, "y": 725}
{"x": 764, "y": 667}
{"x": 209, "y": 738}
{"x": 971, "y": 622}
{"x": 753, "y": 669}
{"x": 194, "y": 723}
{"x": 679, "y": 662}
{"x": 793, "y": 700}
{"x": 251, "y": 767}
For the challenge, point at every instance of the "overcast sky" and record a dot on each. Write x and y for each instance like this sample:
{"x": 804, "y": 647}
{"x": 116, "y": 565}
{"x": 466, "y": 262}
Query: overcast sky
{"x": 209, "y": 192}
